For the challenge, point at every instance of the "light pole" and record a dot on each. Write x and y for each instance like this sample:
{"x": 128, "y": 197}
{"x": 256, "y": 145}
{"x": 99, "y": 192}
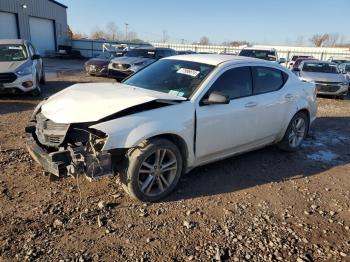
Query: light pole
{"x": 126, "y": 31}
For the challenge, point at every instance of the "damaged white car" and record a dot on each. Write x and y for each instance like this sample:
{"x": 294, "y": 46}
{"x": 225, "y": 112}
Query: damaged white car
{"x": 178, "y": 113}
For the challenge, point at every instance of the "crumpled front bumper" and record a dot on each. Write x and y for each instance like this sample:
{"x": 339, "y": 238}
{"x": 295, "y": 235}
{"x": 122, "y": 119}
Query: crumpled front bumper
{"x": 55, "y": 163}
{"x": 70, "y": 160}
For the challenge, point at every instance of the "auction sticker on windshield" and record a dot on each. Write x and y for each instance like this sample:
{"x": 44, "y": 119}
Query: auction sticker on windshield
{"x": 188, "y": 72}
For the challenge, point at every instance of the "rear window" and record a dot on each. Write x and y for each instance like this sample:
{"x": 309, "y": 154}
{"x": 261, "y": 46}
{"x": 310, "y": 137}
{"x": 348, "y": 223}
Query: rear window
{"x": 267, "y": 79}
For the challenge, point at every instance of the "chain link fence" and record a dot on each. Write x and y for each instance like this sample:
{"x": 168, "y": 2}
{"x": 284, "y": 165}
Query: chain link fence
{"x": 91, "y": 48}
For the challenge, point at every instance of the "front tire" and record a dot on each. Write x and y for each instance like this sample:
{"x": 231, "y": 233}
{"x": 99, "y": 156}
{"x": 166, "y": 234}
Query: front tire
{"x": 37, "y": 91}
{"x": 152, "y": 170}
{"x": 295, "y": 133}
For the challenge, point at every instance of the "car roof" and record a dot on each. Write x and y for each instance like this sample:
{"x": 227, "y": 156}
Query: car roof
{"x": 153, "y": 48}
{"x": 306, "y": 58}
{"x": 12, "y": 41}
{"x": 319, "y": 62}
{"x": 259, "y": 48}
{"x": 216, "y": 59}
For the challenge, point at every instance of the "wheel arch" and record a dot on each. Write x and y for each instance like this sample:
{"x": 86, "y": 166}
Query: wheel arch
{"x": 179, "y": 142}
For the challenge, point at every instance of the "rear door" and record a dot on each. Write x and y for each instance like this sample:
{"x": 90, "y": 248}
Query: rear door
{"x": 272, "y": 101}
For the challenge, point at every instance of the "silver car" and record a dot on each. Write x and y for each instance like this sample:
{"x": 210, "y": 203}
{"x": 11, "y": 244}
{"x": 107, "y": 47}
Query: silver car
{"x": 345, "y": 69}
{"x": 21, "y": 67}
{"x": 135, "y": 60}
{"x": 326, "y": 75}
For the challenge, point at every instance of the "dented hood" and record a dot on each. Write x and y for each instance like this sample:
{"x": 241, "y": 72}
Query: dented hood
{"x": 94, "y": 101}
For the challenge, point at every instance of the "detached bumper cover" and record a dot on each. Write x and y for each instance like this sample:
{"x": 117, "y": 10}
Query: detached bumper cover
{"x": 55, "y": 163}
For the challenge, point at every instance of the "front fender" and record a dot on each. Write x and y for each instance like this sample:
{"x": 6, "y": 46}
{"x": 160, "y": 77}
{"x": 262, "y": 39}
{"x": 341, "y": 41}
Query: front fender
{"x": 129, "y": 131}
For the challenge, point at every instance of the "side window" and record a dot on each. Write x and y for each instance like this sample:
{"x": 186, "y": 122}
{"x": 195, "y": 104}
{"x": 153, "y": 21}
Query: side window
{"x": 235, "y": 83}
{"x": 267, "y": 79}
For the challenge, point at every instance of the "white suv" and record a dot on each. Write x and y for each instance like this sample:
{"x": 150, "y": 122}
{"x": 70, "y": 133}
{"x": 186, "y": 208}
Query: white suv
{"x": 21, "y": 67}
{"x": 269, "y": 54}
{"x": 176, "y": 114}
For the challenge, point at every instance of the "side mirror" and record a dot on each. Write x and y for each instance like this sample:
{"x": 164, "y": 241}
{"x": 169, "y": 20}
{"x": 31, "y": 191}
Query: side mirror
{"x": 36, "y": 57}
{"x": 216, "y": 98}
{"x": 282, "y": 60}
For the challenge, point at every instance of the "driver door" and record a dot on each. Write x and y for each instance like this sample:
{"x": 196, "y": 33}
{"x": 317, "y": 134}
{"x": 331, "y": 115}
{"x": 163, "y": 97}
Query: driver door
{"x": 227, "y": 128}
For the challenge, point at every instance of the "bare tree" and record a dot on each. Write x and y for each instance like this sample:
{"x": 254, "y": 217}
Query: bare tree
{"x": 235, "y": 43}
{"x": 98, "y": 33}
{"x": 319, "y": 40}
{"x": 204, "y": 40}
{"x": 332, "y": 40}
{"x": 113, "y": 30}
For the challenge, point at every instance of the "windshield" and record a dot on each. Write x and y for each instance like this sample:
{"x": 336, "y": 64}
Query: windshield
{"x": 320, "y": 68}
{"x": 261, "y": 54}
{"x": 146, "y": 53}
{"x": 175, "y": 77}
{"x": 12, "y": 53}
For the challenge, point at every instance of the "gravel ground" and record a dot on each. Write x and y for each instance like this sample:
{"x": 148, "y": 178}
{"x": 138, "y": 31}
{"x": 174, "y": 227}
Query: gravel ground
{"x": 261, "y": 206}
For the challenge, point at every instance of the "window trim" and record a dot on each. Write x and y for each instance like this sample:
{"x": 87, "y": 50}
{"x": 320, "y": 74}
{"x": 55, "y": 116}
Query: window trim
{"x": 284, "y": 79}
{"x": 231, "y": 68}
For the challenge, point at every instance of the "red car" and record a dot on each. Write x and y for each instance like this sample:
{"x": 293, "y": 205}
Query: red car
{"x": 98, "y": 66}
{"x": 299, "y": 60}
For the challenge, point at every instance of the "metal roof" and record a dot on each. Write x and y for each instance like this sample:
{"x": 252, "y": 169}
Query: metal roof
{"x": 58, "y": 3}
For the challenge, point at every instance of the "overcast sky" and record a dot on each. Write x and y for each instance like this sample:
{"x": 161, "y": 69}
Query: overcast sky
{"x": 259, "y": 21}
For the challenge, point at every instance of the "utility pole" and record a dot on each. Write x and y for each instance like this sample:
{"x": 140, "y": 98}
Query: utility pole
{"x": 126, "y": 31}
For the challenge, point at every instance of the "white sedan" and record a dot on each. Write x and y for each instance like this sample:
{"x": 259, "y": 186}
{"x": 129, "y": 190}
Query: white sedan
{"x": 178, "y": 113}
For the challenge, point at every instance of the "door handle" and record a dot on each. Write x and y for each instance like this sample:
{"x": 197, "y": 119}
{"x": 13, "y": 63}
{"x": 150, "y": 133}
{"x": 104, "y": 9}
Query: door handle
{"x": 289, "y": 96}
{"x": 251, "y": 104}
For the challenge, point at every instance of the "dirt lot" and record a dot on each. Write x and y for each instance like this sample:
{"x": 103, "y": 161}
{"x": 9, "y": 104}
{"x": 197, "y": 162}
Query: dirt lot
{"x": 261, "y": 206}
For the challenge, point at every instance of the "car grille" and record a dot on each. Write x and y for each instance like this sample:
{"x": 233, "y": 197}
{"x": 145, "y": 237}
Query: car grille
{"x": 50, "y": 133}
{"x": 7, "y": 77}
{"x": 121, "y": 66}
{"x": 328, "y": 83}
{"x": 327, "y": 88}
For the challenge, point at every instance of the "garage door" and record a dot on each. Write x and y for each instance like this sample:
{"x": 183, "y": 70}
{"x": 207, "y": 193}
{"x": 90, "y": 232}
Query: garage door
{"x": 8, "y": 26}
{"x": 42, "y": 34}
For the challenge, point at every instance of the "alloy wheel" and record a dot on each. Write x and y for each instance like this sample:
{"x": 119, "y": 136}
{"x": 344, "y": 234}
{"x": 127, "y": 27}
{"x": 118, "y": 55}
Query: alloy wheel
{"x": 157, "y": 172}
{"x": 297, "y": 132}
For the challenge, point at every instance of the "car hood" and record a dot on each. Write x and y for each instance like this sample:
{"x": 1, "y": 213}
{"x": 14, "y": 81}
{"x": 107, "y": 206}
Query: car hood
{"x": 97, "y": 61}
{"x": 93, "y": 101}
{"x": 10, "y": 66}
{"x": 130, "y": 60}
{"x": 324, "y": 77}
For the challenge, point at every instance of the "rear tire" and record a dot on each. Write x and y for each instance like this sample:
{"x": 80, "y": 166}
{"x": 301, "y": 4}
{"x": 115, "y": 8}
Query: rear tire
{"x": 296, "y": 132}
{"x": 152, "y": 170}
